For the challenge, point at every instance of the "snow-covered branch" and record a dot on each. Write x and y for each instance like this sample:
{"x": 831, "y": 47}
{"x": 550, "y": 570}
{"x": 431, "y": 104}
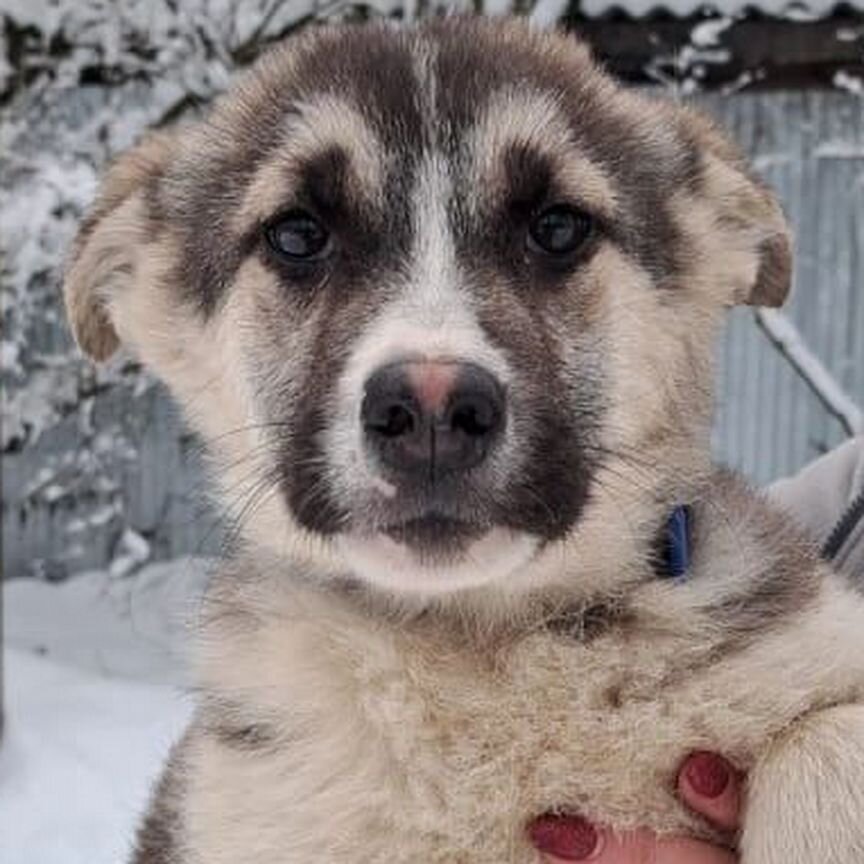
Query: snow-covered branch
{"x": 787, "y": 339}
{"x": 547, "y": 13}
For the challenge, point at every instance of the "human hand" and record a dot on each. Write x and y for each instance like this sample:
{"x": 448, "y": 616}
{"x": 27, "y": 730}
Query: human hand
{"x": 706, "y": 783}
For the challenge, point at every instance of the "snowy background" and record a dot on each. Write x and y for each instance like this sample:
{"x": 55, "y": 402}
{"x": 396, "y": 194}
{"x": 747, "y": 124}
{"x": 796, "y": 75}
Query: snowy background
{"x": 101, "y": 480}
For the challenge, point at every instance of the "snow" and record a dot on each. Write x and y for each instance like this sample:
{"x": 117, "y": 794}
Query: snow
{"x": 547, "y": 12}
{"x": 94, "y": 674}
{"x": 850, "y": 83}
{"x": 133, "y": 551}
{"x": 120, "y": 627}
{"x": 80, "y": 753}
{"x": 707, "y": 33}
{"x": 839, "y": 150}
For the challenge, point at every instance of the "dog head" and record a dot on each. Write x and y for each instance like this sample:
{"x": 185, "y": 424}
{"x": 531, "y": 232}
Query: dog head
{"x": 441, "y": 300}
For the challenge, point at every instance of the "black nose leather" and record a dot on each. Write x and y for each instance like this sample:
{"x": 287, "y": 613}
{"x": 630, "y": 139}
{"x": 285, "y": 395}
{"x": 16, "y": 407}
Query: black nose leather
{"x": 431, "y": 419}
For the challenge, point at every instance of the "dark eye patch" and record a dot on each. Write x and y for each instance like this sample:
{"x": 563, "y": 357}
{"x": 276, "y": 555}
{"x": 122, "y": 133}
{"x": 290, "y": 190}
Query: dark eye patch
{"x": 538, "y": 225}
{"x": 326, "y": 215}
{"x": 326, "y": 183}
{"x": 528, "y": 179}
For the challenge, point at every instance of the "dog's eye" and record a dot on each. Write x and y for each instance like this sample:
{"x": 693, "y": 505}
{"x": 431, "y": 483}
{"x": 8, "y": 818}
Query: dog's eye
{"x": 560, "y": 230}
{"x": 298, "y": 236}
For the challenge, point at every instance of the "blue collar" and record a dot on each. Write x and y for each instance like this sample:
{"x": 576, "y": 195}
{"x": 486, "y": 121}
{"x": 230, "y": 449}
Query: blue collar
{"x": 674, "y": 559}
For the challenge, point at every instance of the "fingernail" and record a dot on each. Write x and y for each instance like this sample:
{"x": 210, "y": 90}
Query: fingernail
{"x": 707, "y": 774}
{"x": 569, "y": 837}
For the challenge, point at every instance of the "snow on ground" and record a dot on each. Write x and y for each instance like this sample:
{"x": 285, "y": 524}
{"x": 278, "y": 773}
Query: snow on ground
{"x": 80, "y": 755}
{"x": 94, "y": 669}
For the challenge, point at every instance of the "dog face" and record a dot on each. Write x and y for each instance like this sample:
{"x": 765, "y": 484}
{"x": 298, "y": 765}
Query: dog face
{"x": 441, "y": 300}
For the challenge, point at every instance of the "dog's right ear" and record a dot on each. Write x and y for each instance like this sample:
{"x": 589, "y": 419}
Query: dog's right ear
{"x": 747, "y": 213}
{"x": 103, "y": 256}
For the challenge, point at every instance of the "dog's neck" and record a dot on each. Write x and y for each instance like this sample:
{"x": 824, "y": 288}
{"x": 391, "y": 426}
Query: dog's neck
{"x": 486, "y": 616}
{"x": 589, "y": 591}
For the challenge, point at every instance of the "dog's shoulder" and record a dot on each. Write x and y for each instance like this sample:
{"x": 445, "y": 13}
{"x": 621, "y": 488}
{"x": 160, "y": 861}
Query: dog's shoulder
{"x": 757, "y": 598}
{"x": 750, "y": 558}
{"x": 159, "y": 837}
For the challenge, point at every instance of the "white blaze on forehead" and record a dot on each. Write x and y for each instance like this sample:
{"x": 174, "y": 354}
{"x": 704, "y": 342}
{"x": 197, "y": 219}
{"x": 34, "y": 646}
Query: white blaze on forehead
{"x": 316, "y": 126}
{"x": 424, "y": 62}
{"x": 433, "y": 317}
{"x": 434, "y": 270}
{"x": 529, "y": 118}
{"x": 430, "y": 319}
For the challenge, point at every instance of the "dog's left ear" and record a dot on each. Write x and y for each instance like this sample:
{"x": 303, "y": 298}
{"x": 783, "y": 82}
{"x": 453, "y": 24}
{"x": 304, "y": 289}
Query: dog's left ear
{"x": 748, "y": 212}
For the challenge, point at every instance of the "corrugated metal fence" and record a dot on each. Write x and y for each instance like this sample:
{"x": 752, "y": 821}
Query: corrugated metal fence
{"x": 810, "y": 147}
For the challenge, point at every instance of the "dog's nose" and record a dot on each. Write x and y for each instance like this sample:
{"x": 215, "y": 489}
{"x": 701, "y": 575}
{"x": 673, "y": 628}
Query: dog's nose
{"x": 432, "y": 418}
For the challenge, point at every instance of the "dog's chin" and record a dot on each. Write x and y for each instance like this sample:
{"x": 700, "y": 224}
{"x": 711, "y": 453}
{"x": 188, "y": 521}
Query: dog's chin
{"x": 434, "y": 556}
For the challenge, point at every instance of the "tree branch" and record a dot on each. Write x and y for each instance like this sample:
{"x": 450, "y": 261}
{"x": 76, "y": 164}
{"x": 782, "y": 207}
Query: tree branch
{"x": 787, "y": 339}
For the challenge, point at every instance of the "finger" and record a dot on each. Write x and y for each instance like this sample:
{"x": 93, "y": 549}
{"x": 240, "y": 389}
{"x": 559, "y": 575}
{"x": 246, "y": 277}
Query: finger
{"x": 679, "y": 850}
{"x": 640, "y": 847}
{"x": 709, "y": 785}
{"x": 565, "y": 838}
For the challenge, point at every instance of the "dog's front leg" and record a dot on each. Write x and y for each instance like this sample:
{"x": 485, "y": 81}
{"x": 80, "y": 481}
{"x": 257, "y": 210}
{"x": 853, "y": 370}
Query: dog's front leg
{"x": 806, "y": 796}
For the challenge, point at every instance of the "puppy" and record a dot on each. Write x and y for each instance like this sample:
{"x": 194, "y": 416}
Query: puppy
{"x": 442, "y": 301}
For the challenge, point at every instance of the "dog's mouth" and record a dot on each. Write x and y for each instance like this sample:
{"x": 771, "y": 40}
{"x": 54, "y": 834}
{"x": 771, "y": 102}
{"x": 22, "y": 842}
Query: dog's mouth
{"x": 435, "y": 535}
{"x": 434, "y": 551}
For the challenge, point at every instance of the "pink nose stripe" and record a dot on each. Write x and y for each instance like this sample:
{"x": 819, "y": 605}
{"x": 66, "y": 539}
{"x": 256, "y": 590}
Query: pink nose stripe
{"x": 432, "y": 383}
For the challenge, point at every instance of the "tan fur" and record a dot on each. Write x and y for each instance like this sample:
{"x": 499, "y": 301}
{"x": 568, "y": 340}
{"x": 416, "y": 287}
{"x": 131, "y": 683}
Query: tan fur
{"x": 97, "y": 269}
{"x": 209, "y": 385}
{"x": 325, "y": 122}
{"x": 524, "y": 117}
{"x": 807, "y": 794}
{"x": 355, "y": 705}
